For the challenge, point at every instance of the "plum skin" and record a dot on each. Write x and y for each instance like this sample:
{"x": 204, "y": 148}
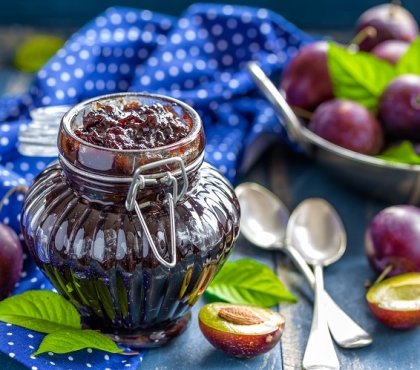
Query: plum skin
{"x": 391, "y": 22}
{"x": 241, "y": 345}
{"x": 239, "y": 330}
{"x": 393, "y": 238}
{"x": 390, "y": 50}
{"x": 399, "y": 107}
{"x": 400, "y": 320}
{"x": 306, "y": 80}
{"x": 349, "y": 125}
{"x": 11, "y": 260}
{"x": 380, "y": 301}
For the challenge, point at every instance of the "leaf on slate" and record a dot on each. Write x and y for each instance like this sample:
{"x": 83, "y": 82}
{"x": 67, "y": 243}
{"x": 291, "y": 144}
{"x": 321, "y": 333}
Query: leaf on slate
{"x": 70, "y": 340}
{"x": 41, "y": 310}
{"x": 249, "y": 282}
{"x": 360, "y": 76}
{"x": 402, "y": 153}
{"x": 410, "y": 61}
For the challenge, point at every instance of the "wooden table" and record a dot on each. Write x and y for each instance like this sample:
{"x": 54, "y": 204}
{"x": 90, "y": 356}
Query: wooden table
{"x": 293, "y": 178}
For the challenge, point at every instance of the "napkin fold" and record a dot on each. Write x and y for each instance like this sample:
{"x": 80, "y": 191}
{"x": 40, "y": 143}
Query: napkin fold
{"x": 199, "y": 58}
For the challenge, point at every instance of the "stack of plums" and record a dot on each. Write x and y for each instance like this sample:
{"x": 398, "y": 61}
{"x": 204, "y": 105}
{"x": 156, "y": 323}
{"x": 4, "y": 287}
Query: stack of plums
{"x": 385, "y": 31}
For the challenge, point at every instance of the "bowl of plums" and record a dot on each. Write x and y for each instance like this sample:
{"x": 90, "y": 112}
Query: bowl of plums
{"x": 356, "y": 107}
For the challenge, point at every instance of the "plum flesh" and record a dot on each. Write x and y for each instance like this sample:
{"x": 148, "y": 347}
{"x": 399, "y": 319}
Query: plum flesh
{"x": 396, "y": 301}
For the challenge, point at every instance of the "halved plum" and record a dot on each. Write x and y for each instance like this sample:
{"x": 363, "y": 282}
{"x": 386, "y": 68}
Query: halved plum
{"x": 396, "y": 301}
{"x": 241, "y": 330}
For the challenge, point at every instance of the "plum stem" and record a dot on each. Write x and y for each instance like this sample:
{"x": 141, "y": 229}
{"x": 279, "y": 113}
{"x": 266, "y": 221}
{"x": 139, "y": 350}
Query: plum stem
{"x": 361, "y": 36}
{"x": 393, "y": 8}
{"x": 131, "y": 353}
{"x": 302, "y": 112}
{"x": 417, "y": 102}
{"x": 16, "y": 189}
{"x": 384, "y": 274}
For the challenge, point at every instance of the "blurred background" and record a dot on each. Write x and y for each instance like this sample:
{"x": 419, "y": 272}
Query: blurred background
{"x": 309, "y": 14}
{"x": 39, "y": 27}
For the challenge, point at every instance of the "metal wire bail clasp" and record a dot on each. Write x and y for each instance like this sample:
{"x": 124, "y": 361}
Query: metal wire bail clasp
{"x": 140, "y": 182}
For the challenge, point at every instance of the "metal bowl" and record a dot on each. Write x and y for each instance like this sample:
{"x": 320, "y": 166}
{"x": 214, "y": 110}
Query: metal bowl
{"x": 396, "y": 183}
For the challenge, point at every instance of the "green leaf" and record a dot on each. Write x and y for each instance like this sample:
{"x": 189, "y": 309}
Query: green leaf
{"x": 358, "y": 76}
{"x": 402, "y": 153}
{"x": 70, "y": 340}
{"x": 33, "y": 53}
{"x": 249, "y": 282}
{"x": 41, "y": 310}
{"x": 410, "y": 61}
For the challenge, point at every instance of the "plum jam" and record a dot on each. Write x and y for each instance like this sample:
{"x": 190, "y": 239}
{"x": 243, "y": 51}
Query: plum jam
{"x": 132, "y": 237}
{"x": 132, "y": 126}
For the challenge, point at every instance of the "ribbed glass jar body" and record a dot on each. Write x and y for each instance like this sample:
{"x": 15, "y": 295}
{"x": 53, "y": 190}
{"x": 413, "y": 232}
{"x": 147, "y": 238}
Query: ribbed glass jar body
{"x": 95, "y": 251}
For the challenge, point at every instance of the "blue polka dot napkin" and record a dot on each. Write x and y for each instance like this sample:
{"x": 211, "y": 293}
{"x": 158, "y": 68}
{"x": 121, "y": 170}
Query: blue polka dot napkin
{"x": 198, "y": 58}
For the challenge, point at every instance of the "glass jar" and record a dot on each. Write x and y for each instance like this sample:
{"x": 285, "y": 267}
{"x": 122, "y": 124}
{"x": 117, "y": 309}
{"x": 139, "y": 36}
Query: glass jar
{"x": 131, "y": 237}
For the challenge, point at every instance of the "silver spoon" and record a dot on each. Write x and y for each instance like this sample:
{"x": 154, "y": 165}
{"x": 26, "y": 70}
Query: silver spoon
{"x": 317, "y": 232}
{"x": 263, "y": 222}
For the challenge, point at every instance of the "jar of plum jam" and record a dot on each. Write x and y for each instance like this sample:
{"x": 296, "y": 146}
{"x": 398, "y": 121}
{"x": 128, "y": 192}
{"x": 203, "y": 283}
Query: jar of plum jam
{"x": 130, "y": 224}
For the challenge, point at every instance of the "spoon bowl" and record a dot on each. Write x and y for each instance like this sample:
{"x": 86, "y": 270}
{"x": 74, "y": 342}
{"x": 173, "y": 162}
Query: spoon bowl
{"x": 263, "y": 216}
{"x": 316, "y": 231}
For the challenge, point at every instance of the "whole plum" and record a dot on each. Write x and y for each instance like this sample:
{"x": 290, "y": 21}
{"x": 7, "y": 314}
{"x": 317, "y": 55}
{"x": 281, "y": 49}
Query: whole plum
{"x": 349, "y": 125}
{"x": 11, "y": 259}
{"x": 390, "y": 50}
{"x": 306, "y": 80}
{"x": 393, "y": 238}
{"x": 391, "y": 22}
{"x": 399, "y": 107}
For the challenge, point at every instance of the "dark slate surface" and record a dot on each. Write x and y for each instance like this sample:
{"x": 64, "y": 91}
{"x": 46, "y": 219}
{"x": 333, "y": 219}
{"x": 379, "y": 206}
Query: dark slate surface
{"x": 294, "y": 178}
{"x": 191, "y": 350}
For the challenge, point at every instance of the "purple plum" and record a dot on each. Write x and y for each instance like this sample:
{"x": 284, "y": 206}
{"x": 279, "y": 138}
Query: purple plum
{"x": 390, "y": 50}
{"x": 349, "y": 125}
{"x": 399, "y": 108}
{"x": 393, "y": 238}
{"x": 306, "y": 80}
{"x": 11, "y": 260}
{"x": 391, "y": 22}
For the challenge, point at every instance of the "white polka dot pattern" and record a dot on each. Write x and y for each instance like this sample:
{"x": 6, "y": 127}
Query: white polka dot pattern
{"x": 198, "y": 58}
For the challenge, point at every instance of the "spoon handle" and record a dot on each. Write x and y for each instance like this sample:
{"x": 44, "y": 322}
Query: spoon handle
{"x": 346, "y": 332}
{"x": 288, "y": 118}
{"x": 320, "y": 351}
